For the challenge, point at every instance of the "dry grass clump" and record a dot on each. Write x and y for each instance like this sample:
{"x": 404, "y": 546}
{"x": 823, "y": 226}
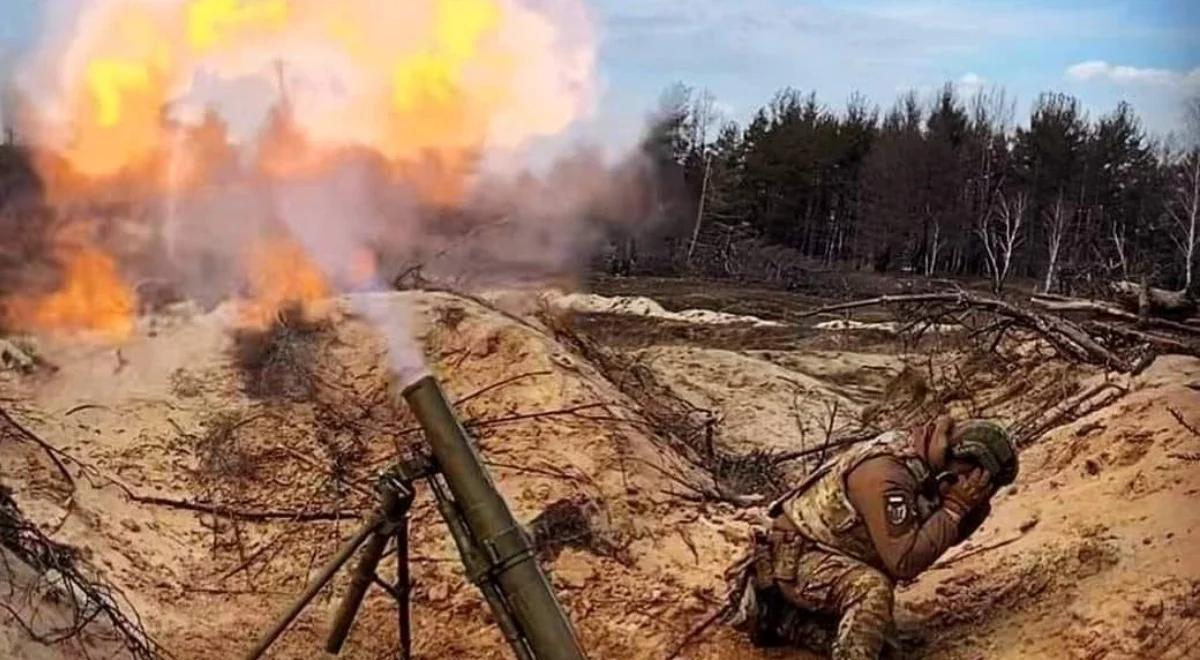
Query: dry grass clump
{"x": 280, "y": 362}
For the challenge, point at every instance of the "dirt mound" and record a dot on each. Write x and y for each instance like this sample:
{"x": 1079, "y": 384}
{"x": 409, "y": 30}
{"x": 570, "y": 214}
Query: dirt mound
{"x": 210, "y": 505}
{"x": 209, "y": 501}
{"x": 1096, "y": 541}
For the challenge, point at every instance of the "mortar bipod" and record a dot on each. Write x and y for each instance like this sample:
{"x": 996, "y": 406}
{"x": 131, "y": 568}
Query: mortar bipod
{"x": 390, "y": 521}
{"x": 396, "y": 494}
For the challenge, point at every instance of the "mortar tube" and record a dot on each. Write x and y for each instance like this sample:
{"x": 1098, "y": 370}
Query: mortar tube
{"x": 513, "y": 566}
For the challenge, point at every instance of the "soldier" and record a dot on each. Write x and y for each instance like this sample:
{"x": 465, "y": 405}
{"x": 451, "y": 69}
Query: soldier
{"x": 880, "y": 513}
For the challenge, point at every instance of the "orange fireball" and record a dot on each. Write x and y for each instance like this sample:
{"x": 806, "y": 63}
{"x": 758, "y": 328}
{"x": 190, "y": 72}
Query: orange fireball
{"x": 93, "y": 299}
{"x": 280, "y": 275}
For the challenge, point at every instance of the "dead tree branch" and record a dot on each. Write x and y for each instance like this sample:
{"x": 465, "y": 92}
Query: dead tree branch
{"x": 1066, "y": 305}
{"x": 501, "y": 384}
{"x": 1030, "y": 429}
{"x": 1164, "y": 344}
{"x": 62, "y": 577}
{"x": 839, "y": 443}
{"x": 698, "y": 630}
{"x": 249, "y": 515}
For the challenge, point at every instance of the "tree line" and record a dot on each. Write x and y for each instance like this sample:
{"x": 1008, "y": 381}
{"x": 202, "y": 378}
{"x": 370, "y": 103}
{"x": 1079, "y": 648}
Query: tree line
{"x": 949, "y": 186}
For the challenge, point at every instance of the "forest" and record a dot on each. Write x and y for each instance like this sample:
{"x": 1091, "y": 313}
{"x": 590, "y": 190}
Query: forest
{"x": 952, "y": 185}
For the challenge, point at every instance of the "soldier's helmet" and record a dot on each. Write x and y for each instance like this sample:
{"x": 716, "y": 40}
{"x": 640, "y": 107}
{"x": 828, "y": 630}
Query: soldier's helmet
{"x": 988, "y": 445}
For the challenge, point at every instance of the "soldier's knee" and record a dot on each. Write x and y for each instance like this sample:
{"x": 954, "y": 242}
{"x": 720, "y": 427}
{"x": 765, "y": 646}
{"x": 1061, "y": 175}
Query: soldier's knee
{"x": 869, "y": 589}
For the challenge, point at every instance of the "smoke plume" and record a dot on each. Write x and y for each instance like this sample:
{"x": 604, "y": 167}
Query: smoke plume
{"x": 282, "y": 151}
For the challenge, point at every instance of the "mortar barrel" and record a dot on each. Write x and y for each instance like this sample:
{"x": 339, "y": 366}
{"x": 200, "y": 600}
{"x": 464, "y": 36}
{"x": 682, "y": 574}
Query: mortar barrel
{"x": 513, "y": 565}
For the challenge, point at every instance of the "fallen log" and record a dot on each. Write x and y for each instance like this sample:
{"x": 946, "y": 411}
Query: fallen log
{"x": 884, "y": 327}
{"x": 1164, "y": 344}
{"x": 1043, "y": 421}
{"x": 1151, "y": 301}
{"x": 1066, "y": 305}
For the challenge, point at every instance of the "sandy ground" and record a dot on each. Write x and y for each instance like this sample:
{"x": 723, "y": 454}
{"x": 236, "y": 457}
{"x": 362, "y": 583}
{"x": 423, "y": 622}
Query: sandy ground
{"x": 1090, "y": 555}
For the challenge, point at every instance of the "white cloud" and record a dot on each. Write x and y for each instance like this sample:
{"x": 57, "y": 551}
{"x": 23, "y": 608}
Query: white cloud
{"x": 1128, "y": 75}
{"x": 970, "y": 82}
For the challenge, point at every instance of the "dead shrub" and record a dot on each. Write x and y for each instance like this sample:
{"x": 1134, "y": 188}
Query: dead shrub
{"x": 573, "y": 522}
{"x": 281, "y": 361}
{"x": 222, "y": 457}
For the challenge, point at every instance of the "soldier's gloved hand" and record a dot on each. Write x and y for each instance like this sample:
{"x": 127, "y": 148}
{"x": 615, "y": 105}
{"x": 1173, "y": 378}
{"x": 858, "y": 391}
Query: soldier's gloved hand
{"x": 968, "y": 492}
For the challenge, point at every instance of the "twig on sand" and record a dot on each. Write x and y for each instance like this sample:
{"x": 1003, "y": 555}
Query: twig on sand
{"x": 697, "y": 631}
{"x": 857, "y": 438}
{"x": 980, "y": 550}
{"x": 1183, "y": 422}
{"x": 83, "y": 407}
{"x": 250, "y": 515}
{"x": 495, "y": 386}
{"x": 54, "y": 454}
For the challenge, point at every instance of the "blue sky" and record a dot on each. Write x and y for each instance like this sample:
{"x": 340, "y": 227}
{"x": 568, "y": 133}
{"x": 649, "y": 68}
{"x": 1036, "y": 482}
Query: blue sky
{"x": 1103, "y": 51}
{"x": 1144, "y": 51}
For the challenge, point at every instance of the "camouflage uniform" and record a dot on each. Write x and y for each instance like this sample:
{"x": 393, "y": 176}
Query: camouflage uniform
{"x": 840, "y": 540}
{"x": 824, "y": 562}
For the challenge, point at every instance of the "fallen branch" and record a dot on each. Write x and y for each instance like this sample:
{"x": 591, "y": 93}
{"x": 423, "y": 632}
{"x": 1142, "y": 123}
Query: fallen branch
{"x": 1058, "y": 304}
{"x": 980, "y": 550}
{"x": 51, "y": 452}
{"x": 884, "y": 300}
{"x": 495, "y": 386}
{"x": 1164, "y": 344}
{"x": 522, "y": 417}
{"x": 542, "y": 471}
{"x": 249, "y": 515}
{"x": 1060, "y": 414}
{"x": 697, "y": 630}
{"x": 847, "y": 441}
{"x": 1156, "y": 300}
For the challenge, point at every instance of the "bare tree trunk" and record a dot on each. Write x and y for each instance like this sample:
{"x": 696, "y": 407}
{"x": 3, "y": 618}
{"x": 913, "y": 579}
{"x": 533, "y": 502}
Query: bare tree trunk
{"x": 935, "y": 246}
{"x": 1118, "y": 239}
{"x": 1001, "y": 233}
{"x": 1056, "y": 226}
{"x": 700, "y": 209}
{"x": 1184, "y": 210}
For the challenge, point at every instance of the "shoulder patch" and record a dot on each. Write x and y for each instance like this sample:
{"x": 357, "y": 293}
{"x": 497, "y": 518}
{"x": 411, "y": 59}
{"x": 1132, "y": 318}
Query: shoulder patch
{"x": 898, "y": 509}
